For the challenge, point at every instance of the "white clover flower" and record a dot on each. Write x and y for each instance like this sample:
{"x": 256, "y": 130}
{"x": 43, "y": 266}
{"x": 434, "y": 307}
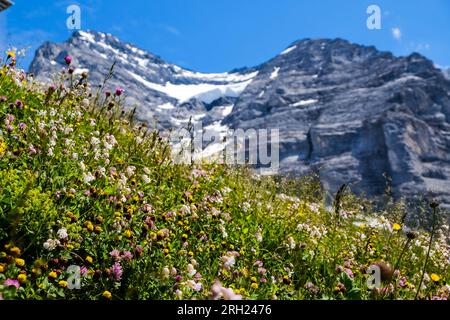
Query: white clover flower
{"x": 85, "y": 102}
{"x": 88, "y": 177}
{"x": 145, "y": 178}
{"x": 218, "y": 292}
{"x": 130, "y": 171}
{"x": 166, "y": 272}
{"x": 102, "y": 171}
{"x": 95, "y": 141}
{"x": 196, "y": 286}
{"x": 51, "y": 244}
{"x": 258, "y": 236}
{"x": 50, "y": 152}
{"x": 68, "y": 130}
{"x": 191, "y": 270}
{"x": 68, "y": 142}
{"x": 62, "y": 234}
{"x": 291, "y": 243}
{"x": 229, "y": 259}
{"x": 224, "y": 231}
{"x": 107, "y": 145}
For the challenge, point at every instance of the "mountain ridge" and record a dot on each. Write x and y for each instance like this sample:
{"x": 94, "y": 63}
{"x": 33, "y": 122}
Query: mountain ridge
{"x": 351, "y": 111}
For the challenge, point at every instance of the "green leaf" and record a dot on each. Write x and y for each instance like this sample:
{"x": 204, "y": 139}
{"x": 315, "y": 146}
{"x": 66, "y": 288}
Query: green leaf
{"x": 347, "y": 281}
{"x": 354, "y": 294}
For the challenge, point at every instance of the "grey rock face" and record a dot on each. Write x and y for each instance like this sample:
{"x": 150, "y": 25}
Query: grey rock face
{"x": 355, "y": 114}
{"x": 351, "y": 112}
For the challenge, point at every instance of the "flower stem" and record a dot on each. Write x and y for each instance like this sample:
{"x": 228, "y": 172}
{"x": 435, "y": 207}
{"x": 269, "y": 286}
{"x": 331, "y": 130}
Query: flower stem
{"x": 428, "y": 253}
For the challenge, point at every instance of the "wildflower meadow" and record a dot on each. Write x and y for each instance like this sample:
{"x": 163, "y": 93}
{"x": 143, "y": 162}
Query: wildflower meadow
{"x": 93, "y": 207}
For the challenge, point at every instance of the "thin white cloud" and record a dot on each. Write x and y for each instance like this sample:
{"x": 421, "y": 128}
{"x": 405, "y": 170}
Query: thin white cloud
{"x": 397, "y": 33}
{"x": 173, "y": 30}
{"x": 423, "y": 47}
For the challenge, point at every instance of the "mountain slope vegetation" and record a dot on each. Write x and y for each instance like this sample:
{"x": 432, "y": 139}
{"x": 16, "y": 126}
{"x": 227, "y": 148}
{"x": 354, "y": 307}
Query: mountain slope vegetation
{"x": 88, "y": 194}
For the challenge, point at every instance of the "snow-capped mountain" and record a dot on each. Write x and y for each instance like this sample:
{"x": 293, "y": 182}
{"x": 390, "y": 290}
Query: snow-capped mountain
{"x": 164, "y": 93}
{"x": 350, "y": 112}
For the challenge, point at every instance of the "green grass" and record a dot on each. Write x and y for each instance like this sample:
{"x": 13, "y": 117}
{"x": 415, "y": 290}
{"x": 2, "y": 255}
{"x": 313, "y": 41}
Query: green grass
{"x": 79, "y": 179}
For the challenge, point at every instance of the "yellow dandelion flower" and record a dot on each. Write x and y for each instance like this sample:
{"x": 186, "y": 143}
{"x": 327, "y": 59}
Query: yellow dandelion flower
{"x": 435, "y": 277}
{"x": 53, "y": 275}
{"x": 15, "y": 251}
{"x": 396, "y": 227}
{"x": 20, "y": 262}
{"x": 63, "y": 284}
{"x": 22, "y": 278}
{"x": 127, "y": 234}
{"x": 107, "y": 295}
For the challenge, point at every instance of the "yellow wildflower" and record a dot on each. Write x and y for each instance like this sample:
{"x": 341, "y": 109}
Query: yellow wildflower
{"x": 63, "y": 284}
{"x": 15, "y": 251}
{"x": 254, "y": 285}
{"x": 127, "y": 234}
{"x": 435, "y": 277}
{"x": 20, "y": 262}
{"x": 107, "y": 295}
{"x": 3, "y": 148}
{"x": 53, "y": 275}
{"x": 89, "y": 259}
{"x": 89, "y": 226}
{"x": 396, "y": 227}
{"x": 22, "y": 278}
{"x": 11, "y": 54}
{"x": 2, "y": 268}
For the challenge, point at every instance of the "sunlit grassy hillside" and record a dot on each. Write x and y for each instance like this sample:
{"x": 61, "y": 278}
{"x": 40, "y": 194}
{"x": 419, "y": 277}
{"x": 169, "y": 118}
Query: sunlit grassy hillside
{"x": 85, "y": 191}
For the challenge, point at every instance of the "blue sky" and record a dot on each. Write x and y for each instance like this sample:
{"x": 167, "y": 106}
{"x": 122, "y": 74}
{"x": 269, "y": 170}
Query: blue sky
{"x": 219, "y": 35}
